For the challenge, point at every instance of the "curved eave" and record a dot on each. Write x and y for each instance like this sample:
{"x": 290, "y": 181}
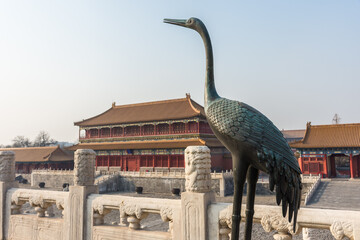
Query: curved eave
{"x": 308, "y": 146}
{"x": 140, "y": 145}
{"x": 81, "y": 123}
{"x": 45, "y": 161}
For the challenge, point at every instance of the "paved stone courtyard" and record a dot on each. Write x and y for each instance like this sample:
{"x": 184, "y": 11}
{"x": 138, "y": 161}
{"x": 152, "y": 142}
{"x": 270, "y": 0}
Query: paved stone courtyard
{"x": 337, "y": 194}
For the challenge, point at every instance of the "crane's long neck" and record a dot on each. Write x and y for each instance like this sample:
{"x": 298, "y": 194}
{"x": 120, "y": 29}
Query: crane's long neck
{"x": 210, "y": 91}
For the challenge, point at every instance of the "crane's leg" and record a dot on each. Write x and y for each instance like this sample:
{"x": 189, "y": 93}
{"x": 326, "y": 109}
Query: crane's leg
{"x": 252, "y": 178}
{"x": 240, "y": 167}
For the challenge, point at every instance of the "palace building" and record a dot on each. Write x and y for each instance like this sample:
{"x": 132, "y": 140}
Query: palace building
{"x": 330, "y": 150}
{"x": 150, "y": 136}
{"x": 29, "y": 158}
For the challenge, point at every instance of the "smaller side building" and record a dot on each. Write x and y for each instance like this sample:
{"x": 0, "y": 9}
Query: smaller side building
{"x": 293, "y": 135}
{"x": 330, "y": 150}
{"x": 27, "y": 159}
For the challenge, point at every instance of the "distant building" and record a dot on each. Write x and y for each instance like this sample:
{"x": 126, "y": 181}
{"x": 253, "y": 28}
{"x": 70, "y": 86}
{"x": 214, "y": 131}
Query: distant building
{"x": 293, "y": 135}
{"x": 330, "y": 150}
{"x": 150, "y": 136}
{"x": 27, "y": 159}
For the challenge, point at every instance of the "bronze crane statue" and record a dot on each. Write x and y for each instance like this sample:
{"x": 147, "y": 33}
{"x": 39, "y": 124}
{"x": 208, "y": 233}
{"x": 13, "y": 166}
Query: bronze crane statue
{"x": 254, "y": 142}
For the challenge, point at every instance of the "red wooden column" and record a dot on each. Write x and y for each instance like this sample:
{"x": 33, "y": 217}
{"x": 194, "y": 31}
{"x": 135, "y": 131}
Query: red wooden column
{"x": 169, "y": 162}
{"x": 99, "y": 132}
{"x": 301, "y": 162}
{"x": 170, "y": 128}
{"x": 153, "y": 161}
{"x": 351, "y": 166}
{"x": 198, "y": 125}
{"x": 187, "y": 127}
{"x": 108, "y": 160}
{"x": 325, "y": 165}
{"x": 110, "y": 132}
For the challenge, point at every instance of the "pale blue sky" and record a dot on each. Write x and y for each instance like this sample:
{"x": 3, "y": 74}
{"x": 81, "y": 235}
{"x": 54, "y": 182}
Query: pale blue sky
{"x": 64, "y": 61}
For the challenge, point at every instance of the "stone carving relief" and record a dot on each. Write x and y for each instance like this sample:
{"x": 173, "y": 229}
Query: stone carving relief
{"x": 40, "y": 200}
{"x": 342, "y": 229}
{"x": 7, "y": 166}
{"x": 279, "y": 224}
{"x": 225, "y": 222}
{"x": 197, "y": 169}
{"x": 84, "y": 163}
{"x": 134, "y": 214}
{"x": 166, "y": 214}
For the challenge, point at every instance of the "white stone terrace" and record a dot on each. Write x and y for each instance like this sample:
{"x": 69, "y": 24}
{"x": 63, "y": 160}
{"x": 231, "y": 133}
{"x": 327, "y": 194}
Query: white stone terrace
{"x": 195, "y": 216}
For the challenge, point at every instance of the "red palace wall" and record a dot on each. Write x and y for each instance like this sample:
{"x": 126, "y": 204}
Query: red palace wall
{"x": 135, "y": 162}
{"x": 218, "y": 162}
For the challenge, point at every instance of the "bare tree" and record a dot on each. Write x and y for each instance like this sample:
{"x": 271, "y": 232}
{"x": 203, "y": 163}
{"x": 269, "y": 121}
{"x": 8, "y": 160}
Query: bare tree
{"x": 336, "y": 119}
{"x": 43, "y": 139}
{"x": 21, "y": 141}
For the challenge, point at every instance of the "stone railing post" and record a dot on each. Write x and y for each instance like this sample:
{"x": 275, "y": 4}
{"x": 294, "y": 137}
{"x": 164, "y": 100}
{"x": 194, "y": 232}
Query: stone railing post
{"x": 84, "y": 172}
{"x": 7, "y": 180}
{"x": 198, "y": 195}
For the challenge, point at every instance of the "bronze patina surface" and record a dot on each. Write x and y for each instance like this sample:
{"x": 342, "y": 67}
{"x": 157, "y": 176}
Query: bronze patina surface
{"x": 254, "y": 142}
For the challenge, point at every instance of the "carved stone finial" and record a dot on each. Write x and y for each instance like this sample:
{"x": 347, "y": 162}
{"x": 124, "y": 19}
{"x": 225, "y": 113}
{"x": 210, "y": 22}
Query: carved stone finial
{"x": 342, "y": 229}
{"x": 7, "y": 166}
{"x": 84, "y": 163}
{"x": 197, "y": 169}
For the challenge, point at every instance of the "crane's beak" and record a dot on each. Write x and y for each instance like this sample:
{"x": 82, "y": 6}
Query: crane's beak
{"x": 179, "y": 22}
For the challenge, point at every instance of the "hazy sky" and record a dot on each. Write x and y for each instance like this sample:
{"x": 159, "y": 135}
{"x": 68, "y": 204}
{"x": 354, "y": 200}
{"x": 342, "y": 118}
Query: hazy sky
{"x": 64, "y": 61}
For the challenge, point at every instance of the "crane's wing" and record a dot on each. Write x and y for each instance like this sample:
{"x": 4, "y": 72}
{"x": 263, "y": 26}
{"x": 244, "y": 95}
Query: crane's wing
{"x": 245, "y": 124}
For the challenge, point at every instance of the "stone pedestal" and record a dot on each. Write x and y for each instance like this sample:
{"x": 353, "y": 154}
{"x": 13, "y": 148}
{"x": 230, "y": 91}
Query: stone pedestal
{"x": 195, "y": 201}
{"x": 84, "y": 167}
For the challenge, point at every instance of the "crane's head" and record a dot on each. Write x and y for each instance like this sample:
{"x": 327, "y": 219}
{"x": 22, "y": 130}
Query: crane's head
{"x": 192, "y": 23}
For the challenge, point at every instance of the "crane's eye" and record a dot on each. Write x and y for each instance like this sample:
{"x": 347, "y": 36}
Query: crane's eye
{"x": 190, "y": 21}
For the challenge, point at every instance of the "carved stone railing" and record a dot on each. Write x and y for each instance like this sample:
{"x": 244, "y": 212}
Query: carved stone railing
{"x": 39, "y": 199}
{"x": 340, "y": 223}
{"x": 131, "y": 211}
{"x": 310, "y": 178}
{"x": 170, "y": 174}
{"x": 57, "y": 171}
{"x": 312, "y": 189}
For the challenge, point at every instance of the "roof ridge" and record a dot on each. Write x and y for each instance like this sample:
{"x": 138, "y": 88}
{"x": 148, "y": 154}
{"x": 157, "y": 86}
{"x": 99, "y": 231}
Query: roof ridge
{"x": 336, "y": 125}
{"x": 307, "y": 131}
{"x": 29, "y": 148}
{"x": 293, "y": 130}
{"x": 150, "y": 103}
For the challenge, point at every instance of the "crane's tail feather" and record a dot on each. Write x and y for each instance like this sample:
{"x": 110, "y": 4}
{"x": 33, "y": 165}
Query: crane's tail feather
{"x": 287, "y": 184}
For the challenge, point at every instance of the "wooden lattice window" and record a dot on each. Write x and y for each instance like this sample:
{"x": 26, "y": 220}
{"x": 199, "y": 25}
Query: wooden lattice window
{"x": 117, "y": 131}
{"x": 148, "y": 129}
{"x": 179, "y": 127}
{"x": 163, "y": 128}
{"x": 314, "y": 167}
